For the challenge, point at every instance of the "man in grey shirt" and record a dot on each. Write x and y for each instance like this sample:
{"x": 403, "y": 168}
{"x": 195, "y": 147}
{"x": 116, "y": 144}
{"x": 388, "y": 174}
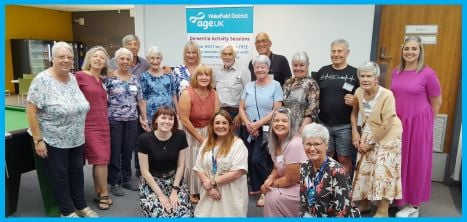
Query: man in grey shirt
{"x": 140, "y": 64}
{"x": 230, "y": 81}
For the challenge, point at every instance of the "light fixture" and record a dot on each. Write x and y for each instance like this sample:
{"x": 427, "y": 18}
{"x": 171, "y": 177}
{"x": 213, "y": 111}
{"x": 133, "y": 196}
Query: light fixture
{"x": 80, "y": 21}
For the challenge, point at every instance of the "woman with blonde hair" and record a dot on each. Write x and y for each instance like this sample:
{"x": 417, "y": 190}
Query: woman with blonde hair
{"x": 221, "y": 165}
{"x": 191, "y": 60}
{"x": 197, "y": 105}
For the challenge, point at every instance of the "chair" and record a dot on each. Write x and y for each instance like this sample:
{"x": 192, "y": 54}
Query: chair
{"x": 23, "y": 89}
{"x": 28, "y": 76}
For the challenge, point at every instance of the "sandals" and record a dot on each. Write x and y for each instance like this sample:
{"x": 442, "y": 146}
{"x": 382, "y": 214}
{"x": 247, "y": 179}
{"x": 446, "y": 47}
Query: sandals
{"x": 86, "y": 212}
{"x": 103, "y": 200}
{"x": 260, "y": 202}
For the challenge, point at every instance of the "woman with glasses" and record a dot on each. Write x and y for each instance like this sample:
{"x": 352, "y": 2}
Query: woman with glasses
{"x": 324, "y": 184}
{"x": 281, "y": 188}
{"x": 221, "y": 165}
{"x": 378, "y": 173}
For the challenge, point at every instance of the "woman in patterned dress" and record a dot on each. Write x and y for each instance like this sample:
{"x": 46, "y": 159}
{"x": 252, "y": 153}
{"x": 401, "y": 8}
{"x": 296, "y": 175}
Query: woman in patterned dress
{"x": 324, "y": 183}
{"x": 163, "y": 191}
{"x": 191, "y": 59}
{"x": 301, "y": 93}
{"x": 377, "y": 176}
{"x": 158, "y": 87}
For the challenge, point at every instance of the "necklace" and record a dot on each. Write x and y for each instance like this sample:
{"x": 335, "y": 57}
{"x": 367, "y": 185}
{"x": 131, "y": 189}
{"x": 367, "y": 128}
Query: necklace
{"x": 161, "y": 141}
{"x": 166, "y": 143}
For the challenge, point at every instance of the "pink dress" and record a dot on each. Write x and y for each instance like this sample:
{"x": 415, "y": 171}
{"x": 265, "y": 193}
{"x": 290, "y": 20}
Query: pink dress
{"x": 96, "y": 130}
{"x": 412, "y": 91}
{"x": 285, "y": 202}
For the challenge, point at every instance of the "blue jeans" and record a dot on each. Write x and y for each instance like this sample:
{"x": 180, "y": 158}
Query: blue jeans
{"x": 122, "y": 144}
{"x": 65, "y": 170}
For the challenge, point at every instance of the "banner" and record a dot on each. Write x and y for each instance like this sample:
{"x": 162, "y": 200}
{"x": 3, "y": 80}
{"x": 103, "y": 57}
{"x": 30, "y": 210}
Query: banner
{"x": 213, "y": 27}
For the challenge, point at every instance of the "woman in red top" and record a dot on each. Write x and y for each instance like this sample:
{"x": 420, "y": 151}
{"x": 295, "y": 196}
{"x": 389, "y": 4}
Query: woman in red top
{"x": 97, "y": 132}
{"x": 197, "y": 104}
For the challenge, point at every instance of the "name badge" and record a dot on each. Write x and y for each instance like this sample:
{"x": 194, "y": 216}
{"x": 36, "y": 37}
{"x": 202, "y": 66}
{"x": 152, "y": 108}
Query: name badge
{"x": 133, "y": 88}
{"x": 265, "y": 128}
{"x": 348, "y": 87}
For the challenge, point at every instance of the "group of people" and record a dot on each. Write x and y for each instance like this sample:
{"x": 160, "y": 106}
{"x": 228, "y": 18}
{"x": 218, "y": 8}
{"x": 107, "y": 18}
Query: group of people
{"x": 326, "y": 145}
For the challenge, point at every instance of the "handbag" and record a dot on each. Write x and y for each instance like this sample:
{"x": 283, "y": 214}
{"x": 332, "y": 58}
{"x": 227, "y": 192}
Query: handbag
{"x": 264, "y": 128}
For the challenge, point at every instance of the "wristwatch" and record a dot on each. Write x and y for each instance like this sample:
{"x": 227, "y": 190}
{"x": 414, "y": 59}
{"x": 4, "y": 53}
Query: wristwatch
{"x": 38, "y": 141}
{"x": 213, "y": 183}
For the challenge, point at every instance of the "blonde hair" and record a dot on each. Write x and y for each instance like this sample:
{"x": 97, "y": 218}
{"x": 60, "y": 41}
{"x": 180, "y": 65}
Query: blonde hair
{"x": 87, "y": 59}
{"x": 200, "y": 69}
{"x": 191, "y": 45}
{"x": 421, "y": 56}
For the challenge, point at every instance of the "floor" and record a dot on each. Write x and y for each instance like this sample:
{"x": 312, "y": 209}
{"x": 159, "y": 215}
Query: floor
{"x": 445, "y": 201}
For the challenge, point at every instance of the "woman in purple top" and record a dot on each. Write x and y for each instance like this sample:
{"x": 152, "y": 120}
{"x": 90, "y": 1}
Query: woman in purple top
{"x": 125, "y": 99}
{"x": 96, "y": 131}
{"x": 418, "y": 99}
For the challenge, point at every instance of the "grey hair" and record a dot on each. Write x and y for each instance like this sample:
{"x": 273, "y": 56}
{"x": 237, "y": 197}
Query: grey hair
{"x": 273, "y": 139}
{"x": 421, "y": 56}
{"x": 59, "y": 45}
{"x": 228, "y": 45}
{"x": 87, "y": 59}
{"x": 128, "y": 38}
{"x": 122, "y": 51}
{"x": 341, "y": 41}
{"x": 315, "y": 130}
{"x": 300, "y": 57}
{"x": 369, "y": 66}
{"x": 262, "y": 59}
{"x": 154, "y": 50}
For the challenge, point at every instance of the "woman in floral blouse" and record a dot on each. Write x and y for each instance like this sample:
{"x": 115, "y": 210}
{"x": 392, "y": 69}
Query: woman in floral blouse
{"x": 325, "y": 188}
{"x": 301, "y": 93}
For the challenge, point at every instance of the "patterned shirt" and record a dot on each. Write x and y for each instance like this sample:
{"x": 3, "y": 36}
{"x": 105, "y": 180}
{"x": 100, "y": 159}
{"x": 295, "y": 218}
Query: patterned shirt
{"x": 230, "y": 84}
{"x": 301, "y": 96}
{"x": 141, "y": 66}
{"x": 123, "y": 98}
{"x": 157, "y": 91}
{"x": 62, "y": 110}
{"x": 182, "y": 78}
{"x": 332, "y": 194}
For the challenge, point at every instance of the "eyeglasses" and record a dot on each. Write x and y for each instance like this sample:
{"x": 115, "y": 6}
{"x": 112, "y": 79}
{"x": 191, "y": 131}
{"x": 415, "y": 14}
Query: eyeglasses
{"x": 313, "y": 144}
{"x": 261, "y": 41}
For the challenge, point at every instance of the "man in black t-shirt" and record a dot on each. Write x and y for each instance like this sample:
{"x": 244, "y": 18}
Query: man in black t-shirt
{"x": 337, "y": 83}
{"x": 279, "y": 68}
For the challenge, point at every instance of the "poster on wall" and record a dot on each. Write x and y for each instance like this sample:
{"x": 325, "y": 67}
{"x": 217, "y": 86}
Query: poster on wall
{"x": 211, "y": 27}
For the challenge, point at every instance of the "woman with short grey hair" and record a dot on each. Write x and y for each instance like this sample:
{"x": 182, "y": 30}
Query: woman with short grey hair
{"x": 301, "y": 93}
{"x": 324, "y": 184}
{"x": 259, "y": 99}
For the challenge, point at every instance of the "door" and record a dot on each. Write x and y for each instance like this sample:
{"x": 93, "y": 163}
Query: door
{"x": 444, "y": 56}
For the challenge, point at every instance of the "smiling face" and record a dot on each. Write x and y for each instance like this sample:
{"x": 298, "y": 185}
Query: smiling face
{"x": 281, "y": 125}
{"x": 164, "y": 123}
{"x": 368, "y": 81}
{"x": 228, "y": 57}
{"x": 203, "y": 79}
{"x": 133, "y": 46}
{"x": 315, "y": 149}
{"x": 98, "y": 60}
{"x": 124, "y": 61}
{"x": 263, "y": 44}
{"x": 63, "y": 60}
{"x": 300, "y": 69}
{"x": 261, "y": 70}
{"x": 155, "y": 61}
{"x": 191, "y": 56}
{"x": 339, "y": 53}
{"x": 411, "y": 52}
{"x": 221, "y": 126}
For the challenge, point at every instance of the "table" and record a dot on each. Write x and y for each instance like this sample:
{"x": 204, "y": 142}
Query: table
{"x": 20, "y": 158}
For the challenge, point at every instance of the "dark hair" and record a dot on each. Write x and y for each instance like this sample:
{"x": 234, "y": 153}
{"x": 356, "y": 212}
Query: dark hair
{"x": 211, "y": 141}
{"x": 165, "y": 110}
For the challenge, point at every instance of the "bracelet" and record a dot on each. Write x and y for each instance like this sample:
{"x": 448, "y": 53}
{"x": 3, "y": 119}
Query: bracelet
{"x": 38, "y": 141}
{"x": 176, "y": 188}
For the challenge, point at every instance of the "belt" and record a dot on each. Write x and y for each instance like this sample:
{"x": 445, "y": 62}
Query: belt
{"x": 230, "y": 109}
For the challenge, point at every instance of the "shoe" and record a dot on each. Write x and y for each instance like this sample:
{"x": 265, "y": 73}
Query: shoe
{"x": 117, "y": 190}
{"x": 260, "y": 202}
{"x": 86, "y": 212}
{"x": 70, "y": 215}
{"x": 103, "y": 202}
{"x": 130, "y": 186}
{"x": 408, "y": 211}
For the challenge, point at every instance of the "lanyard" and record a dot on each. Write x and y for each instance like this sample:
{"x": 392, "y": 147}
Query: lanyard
{"x": 311, "y": 190}
{"x": 214, "y": 163}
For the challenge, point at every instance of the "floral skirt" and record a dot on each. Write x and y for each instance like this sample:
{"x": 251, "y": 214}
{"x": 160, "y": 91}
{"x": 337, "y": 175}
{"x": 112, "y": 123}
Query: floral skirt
{"x": 150, "y": 204}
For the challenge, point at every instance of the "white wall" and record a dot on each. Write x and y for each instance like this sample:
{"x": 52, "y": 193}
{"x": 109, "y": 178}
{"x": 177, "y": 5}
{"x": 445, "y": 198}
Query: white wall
{"x": 292, "y": 28}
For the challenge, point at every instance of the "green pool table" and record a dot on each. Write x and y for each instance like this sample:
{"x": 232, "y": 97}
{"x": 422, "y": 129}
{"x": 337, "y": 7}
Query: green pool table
{"x": 20, "y": 158}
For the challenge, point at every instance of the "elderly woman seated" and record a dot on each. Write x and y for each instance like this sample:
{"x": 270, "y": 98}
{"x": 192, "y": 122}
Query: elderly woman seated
{"x": 324, "y": 184}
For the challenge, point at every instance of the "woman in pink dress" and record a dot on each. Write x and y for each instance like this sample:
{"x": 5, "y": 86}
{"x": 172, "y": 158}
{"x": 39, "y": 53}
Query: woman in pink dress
{"x": 97, "y": 132}
{"x": 417, "y": 92}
